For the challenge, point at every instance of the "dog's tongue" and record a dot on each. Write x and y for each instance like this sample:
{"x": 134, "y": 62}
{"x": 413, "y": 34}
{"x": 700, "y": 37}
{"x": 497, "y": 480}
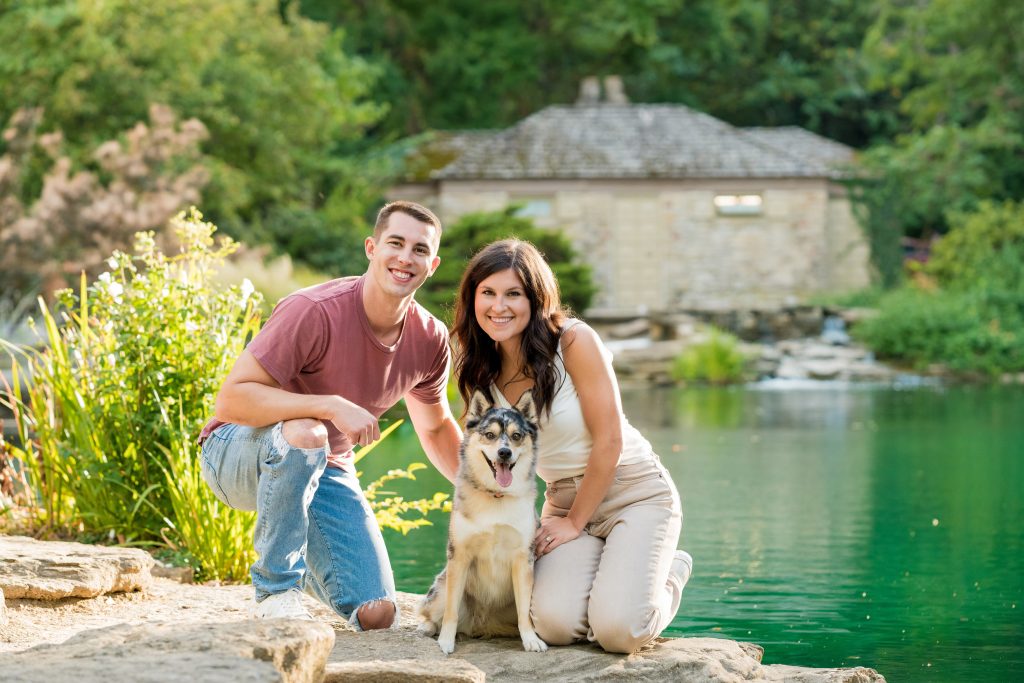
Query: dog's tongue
{"x": 503, "y": 473}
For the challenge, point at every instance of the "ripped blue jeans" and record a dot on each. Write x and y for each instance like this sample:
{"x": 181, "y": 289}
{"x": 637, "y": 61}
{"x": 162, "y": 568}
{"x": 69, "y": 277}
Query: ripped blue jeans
{"x": 314, "y": 528}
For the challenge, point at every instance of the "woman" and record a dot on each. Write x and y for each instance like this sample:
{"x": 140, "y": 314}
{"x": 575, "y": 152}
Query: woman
{"x": 607, "y": 568}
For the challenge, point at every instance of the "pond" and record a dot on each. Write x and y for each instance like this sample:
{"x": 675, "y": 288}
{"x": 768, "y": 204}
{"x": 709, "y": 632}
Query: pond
{"x": 834, "y": 525}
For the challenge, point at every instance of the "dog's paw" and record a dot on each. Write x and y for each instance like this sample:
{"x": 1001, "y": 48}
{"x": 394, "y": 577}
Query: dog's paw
{"x": 446, "y": 641}
{"x": 447, "y": 645}
{"x": 427, "y": 628}
{"x": 533, "y": 643}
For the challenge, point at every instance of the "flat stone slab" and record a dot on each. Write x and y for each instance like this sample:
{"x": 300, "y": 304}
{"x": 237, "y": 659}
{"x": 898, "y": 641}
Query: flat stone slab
{"x": 51, "y": 570}
{"x": 503, "y": 659}
{"x": 187, "y": 632}
{"x": 404, "y": 671}
{"x": 257, "y": 651}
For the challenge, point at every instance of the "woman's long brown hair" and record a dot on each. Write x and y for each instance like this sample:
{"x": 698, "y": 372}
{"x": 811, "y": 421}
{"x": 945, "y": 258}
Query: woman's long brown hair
{"x": 477, "y": 359}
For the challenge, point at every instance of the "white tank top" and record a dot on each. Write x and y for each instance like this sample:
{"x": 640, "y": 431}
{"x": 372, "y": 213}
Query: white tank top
{"x": 564, "y": 442}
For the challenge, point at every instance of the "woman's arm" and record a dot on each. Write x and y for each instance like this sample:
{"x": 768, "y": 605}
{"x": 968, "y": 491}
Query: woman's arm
{"x": 602, "y": 411}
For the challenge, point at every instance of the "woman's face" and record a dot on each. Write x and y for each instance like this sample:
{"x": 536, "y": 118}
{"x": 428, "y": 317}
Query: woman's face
{"x": 502, "y": 307}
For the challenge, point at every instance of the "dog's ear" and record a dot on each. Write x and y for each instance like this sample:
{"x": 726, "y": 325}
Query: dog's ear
{"x": 527, "y": 407}
{"x": 478, "y": 405}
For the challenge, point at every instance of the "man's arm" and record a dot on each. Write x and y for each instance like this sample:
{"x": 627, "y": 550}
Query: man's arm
{"x": 438, "y": 432}
{"x": 251, "y": 397}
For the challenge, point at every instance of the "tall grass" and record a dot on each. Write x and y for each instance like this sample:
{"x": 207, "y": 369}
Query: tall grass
{"x": 149, "y": 340}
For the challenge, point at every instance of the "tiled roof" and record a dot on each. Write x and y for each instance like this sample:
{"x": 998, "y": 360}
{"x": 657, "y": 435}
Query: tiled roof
{"x": 637, "y": 141}
{"x": 804, "y": 144}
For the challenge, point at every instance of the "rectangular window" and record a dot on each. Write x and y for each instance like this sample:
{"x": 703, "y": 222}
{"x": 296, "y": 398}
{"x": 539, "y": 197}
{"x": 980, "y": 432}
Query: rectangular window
{"x": 738, "y": 204}
{"x": 534, "y": 208}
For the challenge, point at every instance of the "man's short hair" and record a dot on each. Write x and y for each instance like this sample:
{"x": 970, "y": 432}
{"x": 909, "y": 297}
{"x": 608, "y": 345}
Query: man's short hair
{"x": 417, "y": 211}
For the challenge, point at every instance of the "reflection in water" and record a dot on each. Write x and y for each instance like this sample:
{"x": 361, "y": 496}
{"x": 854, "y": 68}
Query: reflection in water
{"x": 840, "y": 526}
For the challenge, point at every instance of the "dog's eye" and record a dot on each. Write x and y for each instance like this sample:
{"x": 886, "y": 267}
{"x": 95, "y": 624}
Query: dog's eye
{"x": 516, "y": 436}
{"x": 489, "y": 436}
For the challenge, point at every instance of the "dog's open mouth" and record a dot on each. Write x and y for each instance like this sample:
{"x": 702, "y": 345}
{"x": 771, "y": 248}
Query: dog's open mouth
{"x": 502, "y": 471}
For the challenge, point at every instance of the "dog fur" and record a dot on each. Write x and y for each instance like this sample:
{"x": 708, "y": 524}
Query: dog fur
{"x": 486, "y": 587}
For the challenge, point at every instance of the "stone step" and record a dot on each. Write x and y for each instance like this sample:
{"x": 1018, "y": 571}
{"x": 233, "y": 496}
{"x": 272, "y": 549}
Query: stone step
{"x": 271, "y": 650}
{"x": 51, "y": 570}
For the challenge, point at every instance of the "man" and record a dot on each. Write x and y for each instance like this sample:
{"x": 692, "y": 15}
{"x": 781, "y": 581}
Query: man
{"x": 309, "y": 387}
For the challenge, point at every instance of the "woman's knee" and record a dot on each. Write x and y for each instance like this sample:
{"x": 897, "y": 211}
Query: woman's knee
{"x": 621, "y": 631}
{"x": 304, "y": 433}
{"x": 377, "y": 614}
{"x": 556, "y": 625}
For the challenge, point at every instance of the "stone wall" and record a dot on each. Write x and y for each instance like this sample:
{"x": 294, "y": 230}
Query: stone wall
{"x": 659, "y": 245}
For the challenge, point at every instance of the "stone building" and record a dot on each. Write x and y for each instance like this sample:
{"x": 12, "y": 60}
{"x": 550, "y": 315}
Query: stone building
{"x": 674, "y": 209}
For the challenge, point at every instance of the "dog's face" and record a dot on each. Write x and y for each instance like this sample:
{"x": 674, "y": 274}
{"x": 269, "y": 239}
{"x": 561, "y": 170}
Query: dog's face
{"x": 498, "y": 440}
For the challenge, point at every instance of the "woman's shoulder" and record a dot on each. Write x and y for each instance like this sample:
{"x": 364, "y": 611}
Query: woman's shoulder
{"x": 579, "y": 339}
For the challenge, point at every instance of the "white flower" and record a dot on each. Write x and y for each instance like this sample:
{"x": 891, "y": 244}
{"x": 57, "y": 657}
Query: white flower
{"x": 191, "y": 326}
{"x": 116, "y": 290}
{"x": 247, "y": 289}
{"x": 105, "y": 278}
{"x": 112, "y": 262}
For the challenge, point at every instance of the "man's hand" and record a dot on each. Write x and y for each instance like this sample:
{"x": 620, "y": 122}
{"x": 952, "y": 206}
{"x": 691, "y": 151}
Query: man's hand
{"x": 360, "y": 426}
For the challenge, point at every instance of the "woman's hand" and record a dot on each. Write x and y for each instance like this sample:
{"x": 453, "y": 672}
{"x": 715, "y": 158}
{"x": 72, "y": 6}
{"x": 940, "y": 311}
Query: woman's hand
{"x": 553, "y": 532}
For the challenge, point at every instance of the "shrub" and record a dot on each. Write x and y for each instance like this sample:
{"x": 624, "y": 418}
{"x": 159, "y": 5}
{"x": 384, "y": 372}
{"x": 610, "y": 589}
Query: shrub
{"x": 957, "y": 329}
{"x": 968, "y": 313}
{"x": 473, "y": 231}
{"x": 984, "y": 250}
{"x": 130, "y": 365}
{"x": 716, "y": 360}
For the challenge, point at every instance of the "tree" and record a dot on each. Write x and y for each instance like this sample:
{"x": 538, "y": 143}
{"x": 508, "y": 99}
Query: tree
{"x": 465, "y": 64}
{"x": 278, "y": 95}
{"x": 77, "y": 220}
{"x": 960, "y": 84}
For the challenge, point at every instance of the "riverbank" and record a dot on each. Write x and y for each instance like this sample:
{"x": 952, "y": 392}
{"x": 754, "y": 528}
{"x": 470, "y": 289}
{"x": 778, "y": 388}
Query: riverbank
{"x": 793, "y": 343}
{"x": 162, "y": 630}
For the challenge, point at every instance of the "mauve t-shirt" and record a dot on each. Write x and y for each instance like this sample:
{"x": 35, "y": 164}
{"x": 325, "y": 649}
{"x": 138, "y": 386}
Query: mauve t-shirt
{"x": 318, "y": 341}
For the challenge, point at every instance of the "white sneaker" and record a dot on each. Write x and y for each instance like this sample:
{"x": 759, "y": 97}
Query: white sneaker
{"x": 287, "y": 605}
{"x": 682, "y": 567}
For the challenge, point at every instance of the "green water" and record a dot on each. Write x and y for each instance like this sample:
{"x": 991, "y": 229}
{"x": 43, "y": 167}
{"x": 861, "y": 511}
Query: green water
{"x": 835, "y": 526}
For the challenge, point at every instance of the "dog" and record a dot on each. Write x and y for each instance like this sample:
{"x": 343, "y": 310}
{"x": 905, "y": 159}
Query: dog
{"x": 486, "y": 587}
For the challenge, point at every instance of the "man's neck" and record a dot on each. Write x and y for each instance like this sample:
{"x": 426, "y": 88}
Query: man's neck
{"x": 385, "y": 313}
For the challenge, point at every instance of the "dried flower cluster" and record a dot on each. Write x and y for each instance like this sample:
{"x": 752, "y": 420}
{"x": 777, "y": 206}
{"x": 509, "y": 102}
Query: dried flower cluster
{"x": 137, "y": 183}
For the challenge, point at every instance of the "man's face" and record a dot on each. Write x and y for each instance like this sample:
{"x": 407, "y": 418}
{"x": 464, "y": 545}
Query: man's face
{"x": 404, "y": 255}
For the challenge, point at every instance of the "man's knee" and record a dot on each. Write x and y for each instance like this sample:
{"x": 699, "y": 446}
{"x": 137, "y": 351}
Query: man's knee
{"x": 376, "y": 615}
{"x": 304, "y": 433}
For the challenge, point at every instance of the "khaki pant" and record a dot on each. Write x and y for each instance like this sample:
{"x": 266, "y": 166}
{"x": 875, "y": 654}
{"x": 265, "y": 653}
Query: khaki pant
{"x": 611, "y": 585}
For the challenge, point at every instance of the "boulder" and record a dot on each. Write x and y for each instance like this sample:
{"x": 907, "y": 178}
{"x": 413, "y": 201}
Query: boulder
{"x": 3, "y": 608}
{"x": 50, "y": 570}
{"x": 272, "y": 650}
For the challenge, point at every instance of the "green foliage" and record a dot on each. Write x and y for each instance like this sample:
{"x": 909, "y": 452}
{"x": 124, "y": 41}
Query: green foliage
{"x": 960, "y": 86}
{"x": 126, "y": 378}
{"x": 461, "y": 64}
{"x": 969, "y": 315}
{"x": 277, "y": 93}
{"x": 714, "y": 360}
{"x": 473, "y": 231}
{"x": 961, "y": 331}
{"x": 984, "y": 250}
